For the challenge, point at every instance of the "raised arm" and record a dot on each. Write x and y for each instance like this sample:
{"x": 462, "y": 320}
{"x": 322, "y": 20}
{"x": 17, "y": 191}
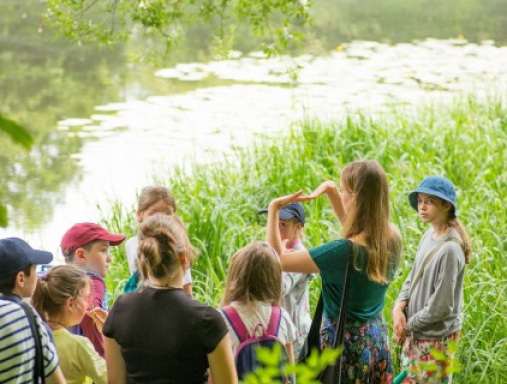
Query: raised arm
{"x": 299, "y": 261}
{"x": 332, "y": 192}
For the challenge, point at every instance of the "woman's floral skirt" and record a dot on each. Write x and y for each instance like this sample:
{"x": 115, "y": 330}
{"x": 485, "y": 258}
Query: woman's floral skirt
{"x": 366, "y": 357}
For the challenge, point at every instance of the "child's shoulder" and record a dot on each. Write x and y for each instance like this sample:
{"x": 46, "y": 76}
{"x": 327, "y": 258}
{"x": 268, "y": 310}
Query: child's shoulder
{"x": 132, "y": 242}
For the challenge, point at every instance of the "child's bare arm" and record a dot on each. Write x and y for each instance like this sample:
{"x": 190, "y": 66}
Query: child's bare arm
{"x": 221, "y": 363}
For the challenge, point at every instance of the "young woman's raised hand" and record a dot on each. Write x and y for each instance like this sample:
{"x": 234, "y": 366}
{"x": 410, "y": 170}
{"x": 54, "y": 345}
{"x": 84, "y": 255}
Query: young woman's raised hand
{"x": 327, "y": 187}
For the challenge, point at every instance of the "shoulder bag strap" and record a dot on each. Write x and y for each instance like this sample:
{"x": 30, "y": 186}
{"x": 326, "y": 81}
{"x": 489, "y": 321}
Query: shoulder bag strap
{"x": 427, "y": 260}
{"x": 274, "y": 321}
{"x": 39, "y": 359}
{"x": 340, "y": 328}
{"x": 236, "y": 323}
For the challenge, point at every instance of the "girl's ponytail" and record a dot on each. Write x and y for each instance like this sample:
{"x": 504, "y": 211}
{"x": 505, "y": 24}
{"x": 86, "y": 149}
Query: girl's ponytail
{"x": 53, "y": 289}
{"x": 467, "y": 245}
{"x": 38, "y": 296}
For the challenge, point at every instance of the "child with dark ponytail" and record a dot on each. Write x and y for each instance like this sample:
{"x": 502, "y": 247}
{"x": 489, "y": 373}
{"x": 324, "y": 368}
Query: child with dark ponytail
{"x": 62, "y": 298}
{"x": 159, "y": 333}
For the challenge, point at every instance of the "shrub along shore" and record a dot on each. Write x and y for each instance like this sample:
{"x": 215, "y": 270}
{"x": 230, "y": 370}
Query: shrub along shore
{"x": 465, "y": 141}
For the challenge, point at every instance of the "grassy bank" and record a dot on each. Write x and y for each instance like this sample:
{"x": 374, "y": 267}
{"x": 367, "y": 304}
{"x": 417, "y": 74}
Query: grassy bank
{"x": 466, "y": 142}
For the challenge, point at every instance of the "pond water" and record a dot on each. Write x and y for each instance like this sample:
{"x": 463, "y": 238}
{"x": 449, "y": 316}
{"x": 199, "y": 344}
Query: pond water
{"x": 105, "y": 127}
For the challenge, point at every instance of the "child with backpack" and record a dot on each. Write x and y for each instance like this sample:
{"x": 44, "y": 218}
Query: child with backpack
{"x": 251, "y": 308}
{"x": 428, "y": 311}
{"x": 62, "y": 297}
{"x": 152, "y": 200}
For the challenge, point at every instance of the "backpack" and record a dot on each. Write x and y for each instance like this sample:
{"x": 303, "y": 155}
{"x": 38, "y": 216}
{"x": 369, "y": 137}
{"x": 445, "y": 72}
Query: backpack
{"x": 246, "y": 356}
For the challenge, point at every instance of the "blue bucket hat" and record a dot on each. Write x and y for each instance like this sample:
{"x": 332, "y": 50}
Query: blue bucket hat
{"x": 435, "y": 186}
{"x": 289, "y": 211}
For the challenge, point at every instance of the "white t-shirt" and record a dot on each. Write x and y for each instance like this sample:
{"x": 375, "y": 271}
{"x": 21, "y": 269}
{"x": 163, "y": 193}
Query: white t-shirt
{"x": 131, "y": 250}
{"x": 259, "y": 313}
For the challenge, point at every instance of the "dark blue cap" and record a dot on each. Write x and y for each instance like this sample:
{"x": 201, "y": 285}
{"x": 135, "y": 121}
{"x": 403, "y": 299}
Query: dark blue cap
{"x": 435, "y": 186}
{"x": 289, "y": 211}
{"x": 16, "y": 254}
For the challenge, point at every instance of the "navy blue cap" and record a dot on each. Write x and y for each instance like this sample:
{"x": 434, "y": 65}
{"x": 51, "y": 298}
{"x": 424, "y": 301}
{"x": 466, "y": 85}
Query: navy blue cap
{"x": 289, "y": 211}
{"x": 435, "y": 186}
{"x": 16, "y": 254}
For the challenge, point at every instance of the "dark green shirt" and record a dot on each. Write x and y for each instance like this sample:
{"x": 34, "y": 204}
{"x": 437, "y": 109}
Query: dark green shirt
{"x": 366, "y": 298}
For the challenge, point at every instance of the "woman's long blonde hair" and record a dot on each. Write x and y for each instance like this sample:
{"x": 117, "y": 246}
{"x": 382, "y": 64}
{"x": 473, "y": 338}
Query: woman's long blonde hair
{"x": 255, "y": 274}
{"x": 367, "y": 182}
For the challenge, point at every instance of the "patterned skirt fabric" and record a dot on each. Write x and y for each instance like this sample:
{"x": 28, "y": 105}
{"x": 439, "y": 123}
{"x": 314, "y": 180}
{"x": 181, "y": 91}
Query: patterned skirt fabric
{"x": 366, "y": 358}
{"x": 421, "y": 365}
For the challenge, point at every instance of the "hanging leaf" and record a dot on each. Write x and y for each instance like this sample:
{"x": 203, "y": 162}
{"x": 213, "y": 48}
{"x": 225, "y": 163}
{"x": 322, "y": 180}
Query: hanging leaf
{"x": 17, "y": 133}
{"x": 3, "y": 216}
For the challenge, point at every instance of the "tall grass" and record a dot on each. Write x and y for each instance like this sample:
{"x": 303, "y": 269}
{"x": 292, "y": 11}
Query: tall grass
{"x": 466, "y": 142}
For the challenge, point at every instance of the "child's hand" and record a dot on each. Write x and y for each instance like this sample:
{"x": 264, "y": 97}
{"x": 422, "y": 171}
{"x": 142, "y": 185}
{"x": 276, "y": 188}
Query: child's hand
{"x": 400, "y": 322}
{"x": 281, "y": 202}
{"x": 327, "y": 187}
{"x": 99, "y": 317}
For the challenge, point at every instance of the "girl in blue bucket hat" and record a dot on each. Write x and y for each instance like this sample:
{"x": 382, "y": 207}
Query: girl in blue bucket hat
{"x": 428, "y": 311}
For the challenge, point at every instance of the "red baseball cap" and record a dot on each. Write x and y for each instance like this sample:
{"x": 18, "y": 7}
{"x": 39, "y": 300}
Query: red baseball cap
{"x": 81, "y": 234}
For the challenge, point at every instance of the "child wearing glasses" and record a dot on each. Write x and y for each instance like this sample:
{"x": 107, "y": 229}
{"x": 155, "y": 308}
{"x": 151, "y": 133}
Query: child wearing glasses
{"x": 62, "y": 297}
{"x": 427, "y": 314}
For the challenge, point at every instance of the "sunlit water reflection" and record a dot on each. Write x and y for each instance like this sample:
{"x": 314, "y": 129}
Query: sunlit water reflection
{"x": 138, "y": 138}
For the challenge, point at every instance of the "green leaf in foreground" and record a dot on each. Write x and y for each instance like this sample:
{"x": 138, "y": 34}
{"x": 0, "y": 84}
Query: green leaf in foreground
{"x": 17, "y": 133}
{"x": 3, "y": 216}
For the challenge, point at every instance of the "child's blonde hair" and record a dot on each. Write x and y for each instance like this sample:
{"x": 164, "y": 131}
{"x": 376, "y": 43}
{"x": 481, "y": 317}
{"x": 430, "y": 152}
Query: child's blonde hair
{"x": 255, "y": 274}
{"x": 162, "y": 240}
{"x": 367, "y": 182}
{"x": 153, "y": 194}
{"x": 54, "y": 288}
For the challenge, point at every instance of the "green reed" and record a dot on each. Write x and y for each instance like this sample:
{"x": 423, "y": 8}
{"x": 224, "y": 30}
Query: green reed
{"x": 465, "y": 141}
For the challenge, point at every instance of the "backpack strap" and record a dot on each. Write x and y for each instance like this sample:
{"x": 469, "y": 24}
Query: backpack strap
{"x": 274, "y": 321}
{"x": 38, "y": 370}
{"x": 236, "y": 323}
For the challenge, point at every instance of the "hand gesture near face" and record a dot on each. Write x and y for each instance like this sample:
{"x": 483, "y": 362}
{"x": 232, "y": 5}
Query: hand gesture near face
{"x": 99, "y": 317}
{"x": 281, "y": 202}
{"x": 326, "y": 188}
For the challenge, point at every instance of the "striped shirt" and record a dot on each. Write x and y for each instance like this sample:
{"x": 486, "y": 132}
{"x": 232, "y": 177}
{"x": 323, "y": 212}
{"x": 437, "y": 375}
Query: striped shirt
{"x": 17, "y": 346}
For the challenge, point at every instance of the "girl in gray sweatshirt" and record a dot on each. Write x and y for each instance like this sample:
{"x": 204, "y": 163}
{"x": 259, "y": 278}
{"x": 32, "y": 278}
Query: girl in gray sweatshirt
{"x": 428, "y": 311}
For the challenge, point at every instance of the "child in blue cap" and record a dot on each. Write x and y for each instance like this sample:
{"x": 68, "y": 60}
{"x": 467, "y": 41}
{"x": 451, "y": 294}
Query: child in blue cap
{"x": 428, "y": 310}
{"x": 295, "y": 286}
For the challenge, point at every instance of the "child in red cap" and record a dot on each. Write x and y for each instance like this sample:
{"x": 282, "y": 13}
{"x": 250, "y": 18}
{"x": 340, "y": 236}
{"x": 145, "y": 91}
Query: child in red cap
{"x": 87, "y": 246}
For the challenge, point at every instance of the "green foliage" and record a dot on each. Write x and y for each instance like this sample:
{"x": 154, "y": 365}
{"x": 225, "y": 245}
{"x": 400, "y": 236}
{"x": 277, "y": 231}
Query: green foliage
{"x": 16, "y": 132}
{"x": 21, "y": 136}
{"x": 106, "y": 22}
{"x": 304, "y": 373}
{"x": 466, "y": 141}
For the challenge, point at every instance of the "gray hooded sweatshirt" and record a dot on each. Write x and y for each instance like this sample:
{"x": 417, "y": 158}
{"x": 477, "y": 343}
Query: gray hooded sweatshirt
{"x": 434, "y": 309}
